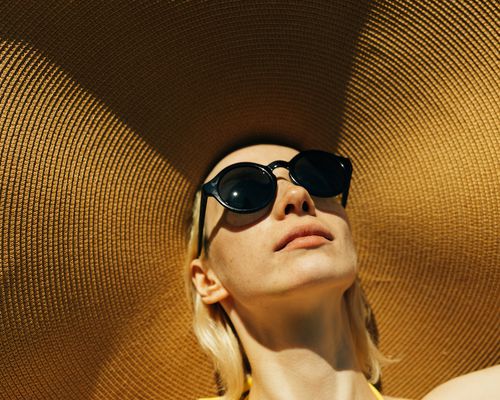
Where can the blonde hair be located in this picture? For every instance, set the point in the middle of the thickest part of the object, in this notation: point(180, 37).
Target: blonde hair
point(218, 338)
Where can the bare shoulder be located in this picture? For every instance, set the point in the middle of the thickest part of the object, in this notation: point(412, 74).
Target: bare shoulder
point(483, 384)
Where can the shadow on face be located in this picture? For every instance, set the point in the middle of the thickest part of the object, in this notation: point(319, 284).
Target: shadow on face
point(218, 217)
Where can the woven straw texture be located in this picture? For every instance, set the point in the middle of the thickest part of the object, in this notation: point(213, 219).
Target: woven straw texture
point(111, 113)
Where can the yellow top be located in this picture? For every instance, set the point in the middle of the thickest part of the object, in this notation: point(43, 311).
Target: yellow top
point(248, 385)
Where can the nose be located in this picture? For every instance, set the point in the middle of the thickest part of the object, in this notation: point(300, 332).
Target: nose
point(292, 199)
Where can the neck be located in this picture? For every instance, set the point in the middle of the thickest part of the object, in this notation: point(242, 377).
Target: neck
point(301, 354)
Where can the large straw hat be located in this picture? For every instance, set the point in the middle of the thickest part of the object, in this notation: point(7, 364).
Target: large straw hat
point(111, 113)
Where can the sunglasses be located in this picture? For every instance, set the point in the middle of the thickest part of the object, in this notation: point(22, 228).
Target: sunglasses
point(246, 187)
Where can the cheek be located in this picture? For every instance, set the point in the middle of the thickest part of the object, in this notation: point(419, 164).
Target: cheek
point(236, 255)
point(350, 249)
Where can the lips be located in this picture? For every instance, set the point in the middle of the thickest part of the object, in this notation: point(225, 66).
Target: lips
point(303, 230)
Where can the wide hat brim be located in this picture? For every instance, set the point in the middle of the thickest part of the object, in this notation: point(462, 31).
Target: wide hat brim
point(112, 113)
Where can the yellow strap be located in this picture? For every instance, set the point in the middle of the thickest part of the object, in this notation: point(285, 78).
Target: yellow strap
point(377, 394)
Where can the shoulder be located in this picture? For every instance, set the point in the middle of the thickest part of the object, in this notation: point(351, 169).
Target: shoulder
point(483, 384)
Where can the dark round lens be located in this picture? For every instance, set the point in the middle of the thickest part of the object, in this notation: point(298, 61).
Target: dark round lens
point(246, 188)
point(320, 173)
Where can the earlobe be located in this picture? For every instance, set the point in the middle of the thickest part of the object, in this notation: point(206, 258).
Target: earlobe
point(207, 283)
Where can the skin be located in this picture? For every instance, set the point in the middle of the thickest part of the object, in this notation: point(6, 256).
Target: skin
point(478, 385)
point(287, 306)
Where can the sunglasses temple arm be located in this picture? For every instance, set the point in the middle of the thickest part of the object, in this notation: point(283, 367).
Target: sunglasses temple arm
point(348, 169)
point(203, 208)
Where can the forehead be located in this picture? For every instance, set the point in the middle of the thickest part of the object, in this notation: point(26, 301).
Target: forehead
point(259, 153)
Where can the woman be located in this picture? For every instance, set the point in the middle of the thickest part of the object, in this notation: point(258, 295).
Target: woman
point(277, 304)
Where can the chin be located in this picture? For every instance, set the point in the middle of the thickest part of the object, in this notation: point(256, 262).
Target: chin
point(320, 267)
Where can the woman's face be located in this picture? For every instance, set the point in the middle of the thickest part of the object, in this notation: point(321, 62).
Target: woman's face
point(243, 264)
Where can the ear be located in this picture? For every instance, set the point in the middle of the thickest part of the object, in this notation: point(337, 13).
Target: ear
point(207, 283)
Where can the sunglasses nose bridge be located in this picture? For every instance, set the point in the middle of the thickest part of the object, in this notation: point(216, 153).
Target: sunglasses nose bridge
point(279, 164)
